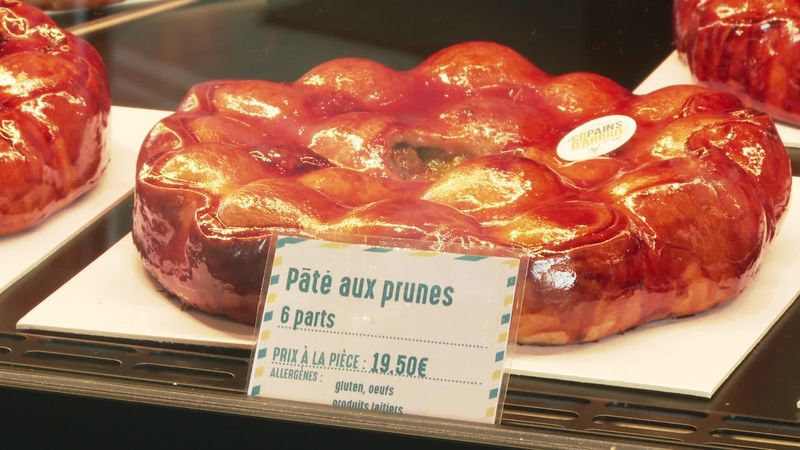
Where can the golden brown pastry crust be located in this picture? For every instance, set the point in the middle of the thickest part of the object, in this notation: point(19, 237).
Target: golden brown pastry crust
point(748, 47)
point(461, 150)
point(55, 111)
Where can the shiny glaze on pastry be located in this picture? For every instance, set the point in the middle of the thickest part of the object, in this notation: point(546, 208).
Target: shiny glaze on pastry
point(748, 47)
point(55, 101)
point(459, 152)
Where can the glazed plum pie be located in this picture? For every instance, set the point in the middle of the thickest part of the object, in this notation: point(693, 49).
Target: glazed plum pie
point(474, 148)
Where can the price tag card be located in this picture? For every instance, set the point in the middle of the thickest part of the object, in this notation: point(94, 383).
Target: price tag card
point(384, 329)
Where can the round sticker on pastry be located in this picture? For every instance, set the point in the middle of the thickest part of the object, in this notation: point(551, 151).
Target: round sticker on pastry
point(596, 137)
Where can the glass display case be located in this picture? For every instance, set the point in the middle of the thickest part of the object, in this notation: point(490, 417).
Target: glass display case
point(113, 388)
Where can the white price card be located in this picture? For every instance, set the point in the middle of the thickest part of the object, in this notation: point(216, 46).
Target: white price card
point(385, 329)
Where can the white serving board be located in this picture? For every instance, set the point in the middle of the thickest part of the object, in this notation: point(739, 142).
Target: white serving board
point(116, 297)
point(693, 355)
point(674, 71)
point(689, 356)
point(128, 127)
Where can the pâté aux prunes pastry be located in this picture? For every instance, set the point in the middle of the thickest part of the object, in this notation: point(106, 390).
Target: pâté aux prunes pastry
point(462, 151)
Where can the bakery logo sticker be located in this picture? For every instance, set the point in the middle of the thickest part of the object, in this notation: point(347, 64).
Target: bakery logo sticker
point(596, 138)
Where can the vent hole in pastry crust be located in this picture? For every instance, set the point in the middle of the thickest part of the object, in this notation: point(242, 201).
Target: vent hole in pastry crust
point(424, 162)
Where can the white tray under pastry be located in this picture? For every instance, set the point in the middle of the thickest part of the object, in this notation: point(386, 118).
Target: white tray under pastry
point(128, 127)
point(116, 297)
point(693, 355)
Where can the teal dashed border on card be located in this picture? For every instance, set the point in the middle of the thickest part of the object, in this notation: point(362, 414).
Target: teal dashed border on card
point(470, 258)
point(256, 390)
point(287, 240)
point(262, 353)
point(273, 280)
point(267, 316)
point(378, 249)
point(499, 357)
point(511, 281)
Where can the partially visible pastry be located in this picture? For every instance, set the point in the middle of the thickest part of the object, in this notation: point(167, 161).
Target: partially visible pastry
point(53, 122)
point(748, 47)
